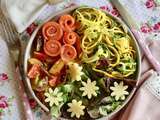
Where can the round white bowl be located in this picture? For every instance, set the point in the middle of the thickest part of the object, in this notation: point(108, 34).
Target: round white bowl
point(54, 16)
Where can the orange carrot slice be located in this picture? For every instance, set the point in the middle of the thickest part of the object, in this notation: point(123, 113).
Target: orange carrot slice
point(53, 81)
point(68, 53)
point(69, 38)
point(67, 22)
point(52, 31)
point(52, 48)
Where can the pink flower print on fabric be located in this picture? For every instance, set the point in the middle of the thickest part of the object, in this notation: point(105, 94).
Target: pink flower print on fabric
point(31, 28)
point(106, 8)
point(150, 4)
point(3, 77)
point(115, 12)
point(32, 103)
point(110, 9)
point(156, 26)
point(3, 102)
point(145, 28)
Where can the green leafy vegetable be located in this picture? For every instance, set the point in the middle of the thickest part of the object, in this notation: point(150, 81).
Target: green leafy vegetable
point(55, 111)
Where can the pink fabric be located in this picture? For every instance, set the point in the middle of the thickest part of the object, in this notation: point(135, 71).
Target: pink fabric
point(154, 48)
point(147, 52)
point(144, 106)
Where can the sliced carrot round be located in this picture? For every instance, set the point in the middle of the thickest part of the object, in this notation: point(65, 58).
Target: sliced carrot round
point(68, 53)
point(67, 22)
point(52, 48)
point(69, 38)
point(52, 31)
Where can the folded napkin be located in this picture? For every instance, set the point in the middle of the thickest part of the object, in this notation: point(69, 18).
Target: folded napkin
point(11, 106)
point(23, 12)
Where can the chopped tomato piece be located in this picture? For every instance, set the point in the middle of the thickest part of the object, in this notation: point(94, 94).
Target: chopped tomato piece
point(67, 22)
point(68, 53)
point(53, 81)
point(52, 48)
point(34, 71)
point(52, 31)
point(69, 38)
point(57, 67)
point(39, 55)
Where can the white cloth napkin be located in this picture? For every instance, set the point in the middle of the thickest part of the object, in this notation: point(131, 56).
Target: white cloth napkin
point(23, 12)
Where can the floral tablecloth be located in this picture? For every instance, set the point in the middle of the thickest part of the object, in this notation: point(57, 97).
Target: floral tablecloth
point(149, 25)
point(9, 98)
point(145, 13)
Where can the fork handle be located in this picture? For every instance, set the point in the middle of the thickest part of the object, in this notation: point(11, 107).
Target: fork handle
point(26, 105)
point(147, 52)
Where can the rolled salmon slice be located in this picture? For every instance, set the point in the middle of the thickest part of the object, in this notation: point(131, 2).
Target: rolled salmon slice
point(52, 48)
point(67, 22)
point(52, 31)
point(70, 38)
point(68, 53)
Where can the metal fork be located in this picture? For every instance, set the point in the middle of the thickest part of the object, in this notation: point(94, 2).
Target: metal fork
point(8, 32)
point(11, 36)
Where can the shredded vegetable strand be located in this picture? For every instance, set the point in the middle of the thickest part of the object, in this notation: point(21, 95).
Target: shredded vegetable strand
point(97, 28)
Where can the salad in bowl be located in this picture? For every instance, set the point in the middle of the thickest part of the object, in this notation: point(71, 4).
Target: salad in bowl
point(82, 64)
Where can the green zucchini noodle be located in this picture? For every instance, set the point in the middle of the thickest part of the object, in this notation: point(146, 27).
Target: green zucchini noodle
point(104, 37)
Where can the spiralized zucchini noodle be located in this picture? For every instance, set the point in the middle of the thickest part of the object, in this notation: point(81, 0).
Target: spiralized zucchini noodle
point(103, 37)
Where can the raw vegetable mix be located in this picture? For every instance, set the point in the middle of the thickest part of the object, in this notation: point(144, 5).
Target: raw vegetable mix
point(83, 65)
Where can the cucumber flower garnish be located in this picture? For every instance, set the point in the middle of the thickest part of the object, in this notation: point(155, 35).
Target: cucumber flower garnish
point(53, 97)
point(75, 71)
point(89, 89)
point(119, 91)
point(76, 108)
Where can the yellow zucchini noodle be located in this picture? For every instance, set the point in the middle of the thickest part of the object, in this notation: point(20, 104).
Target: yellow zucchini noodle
point(99, 30)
